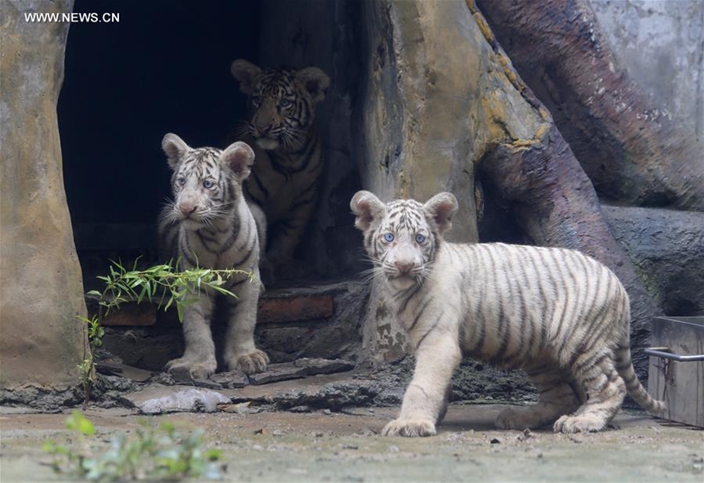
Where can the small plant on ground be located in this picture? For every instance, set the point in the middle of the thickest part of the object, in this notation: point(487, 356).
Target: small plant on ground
point(158, 454)
point(87, 366)
point(160, 284)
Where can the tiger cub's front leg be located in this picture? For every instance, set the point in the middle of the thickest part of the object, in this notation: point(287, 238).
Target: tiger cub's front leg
point(240, 350)
point(199, 357)
point(425, 401)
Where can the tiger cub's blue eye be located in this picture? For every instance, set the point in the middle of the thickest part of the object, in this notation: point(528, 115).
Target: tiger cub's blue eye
point(207, 184)
point(181, 181)
point(389, 237)
point(285, 103)
point(420, 239)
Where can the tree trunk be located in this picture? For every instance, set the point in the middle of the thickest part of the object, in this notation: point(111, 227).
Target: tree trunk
point(632, 149)
point(42, 340)
point(554, 200)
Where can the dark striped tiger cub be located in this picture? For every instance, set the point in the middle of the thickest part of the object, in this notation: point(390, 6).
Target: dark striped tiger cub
point(558, 314)
point(286, 177)
point(210, 225)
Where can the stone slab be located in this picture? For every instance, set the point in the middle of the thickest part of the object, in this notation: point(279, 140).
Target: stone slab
point(173, 399)
point(299, 369)
point(231, 379)
point(129, 372)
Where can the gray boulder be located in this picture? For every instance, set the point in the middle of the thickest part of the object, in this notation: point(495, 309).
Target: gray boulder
point(667, 248)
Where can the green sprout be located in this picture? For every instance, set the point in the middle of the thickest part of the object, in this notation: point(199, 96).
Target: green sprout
point(158, 454)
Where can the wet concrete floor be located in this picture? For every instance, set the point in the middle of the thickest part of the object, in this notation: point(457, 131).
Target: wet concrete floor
point(329, 446)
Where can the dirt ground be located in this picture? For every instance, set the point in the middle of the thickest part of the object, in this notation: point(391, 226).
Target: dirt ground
point(330, 446)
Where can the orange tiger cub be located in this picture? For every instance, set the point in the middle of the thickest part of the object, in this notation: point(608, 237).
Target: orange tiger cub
point(281, 127)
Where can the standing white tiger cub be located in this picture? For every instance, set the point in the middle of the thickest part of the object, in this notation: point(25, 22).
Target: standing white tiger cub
point(210, 225)
point(558, 314)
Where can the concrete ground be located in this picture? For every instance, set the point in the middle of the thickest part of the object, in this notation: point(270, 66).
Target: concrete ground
point(329, 446)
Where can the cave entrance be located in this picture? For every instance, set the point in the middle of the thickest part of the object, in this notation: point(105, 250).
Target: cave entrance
point(162, 70)
point(127, 84)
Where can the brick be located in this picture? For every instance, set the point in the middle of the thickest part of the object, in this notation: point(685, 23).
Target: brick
point(273, 310)
point(295, 308)
point(131, 314)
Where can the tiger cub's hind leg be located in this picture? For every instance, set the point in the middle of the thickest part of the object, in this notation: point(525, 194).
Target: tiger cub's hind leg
point(605, 391)
point(556, 397)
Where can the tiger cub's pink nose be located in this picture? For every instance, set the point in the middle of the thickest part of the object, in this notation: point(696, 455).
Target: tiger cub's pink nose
point(404, 266)
point(187, 208)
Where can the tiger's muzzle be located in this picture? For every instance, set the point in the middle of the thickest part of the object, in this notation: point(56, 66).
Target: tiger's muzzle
point(403, 266)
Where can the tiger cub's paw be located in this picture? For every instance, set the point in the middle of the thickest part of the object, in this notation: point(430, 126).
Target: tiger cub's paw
point(410, 428)
point(255, 361)
point(196, 369)
point(585, 423)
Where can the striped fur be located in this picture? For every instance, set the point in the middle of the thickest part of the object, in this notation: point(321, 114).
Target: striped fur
point(210, 225)
point(558, 314)
point(286, 178)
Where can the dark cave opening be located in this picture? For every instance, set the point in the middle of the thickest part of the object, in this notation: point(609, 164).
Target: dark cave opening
point(162, 70)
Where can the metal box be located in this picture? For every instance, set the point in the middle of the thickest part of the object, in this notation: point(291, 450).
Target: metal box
point(676, 373)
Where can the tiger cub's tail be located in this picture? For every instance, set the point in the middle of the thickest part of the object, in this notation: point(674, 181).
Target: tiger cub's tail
point(624, 366)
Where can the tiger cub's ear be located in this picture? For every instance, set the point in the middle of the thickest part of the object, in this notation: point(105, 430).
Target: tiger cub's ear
point(440, 209)
point(244, 72)
point(315, 81)
point(175, 148)
point(239, 157)
point(368, 210)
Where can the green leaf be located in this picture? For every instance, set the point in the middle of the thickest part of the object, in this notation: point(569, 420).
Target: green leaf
point(223, 291)
point(213, 454)
point(142, 293)
point(168, 304)
point(78, 422)
point(84, 319)
point(49, 446)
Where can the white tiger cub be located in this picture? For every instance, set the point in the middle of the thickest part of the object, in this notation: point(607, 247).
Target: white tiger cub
point(558, 314)
point(210, 225)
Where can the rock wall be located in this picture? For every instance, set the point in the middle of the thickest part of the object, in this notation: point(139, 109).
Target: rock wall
point(667, 248)
point(40, 279)
point(418, 115)
point(661, 43)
